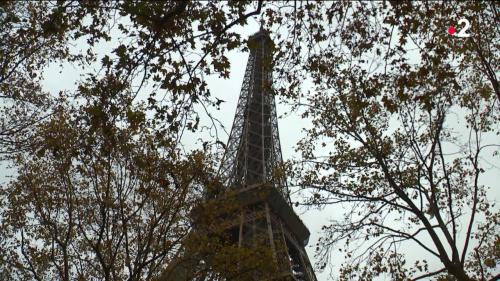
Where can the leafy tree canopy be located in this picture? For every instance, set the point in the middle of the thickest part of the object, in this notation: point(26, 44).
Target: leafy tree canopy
point(103, 188)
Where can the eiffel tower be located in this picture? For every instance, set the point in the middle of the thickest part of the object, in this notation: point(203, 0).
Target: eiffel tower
point(262, 216)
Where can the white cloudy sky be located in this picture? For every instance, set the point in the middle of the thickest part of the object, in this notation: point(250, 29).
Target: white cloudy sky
point(64, 78)
point(290, 127)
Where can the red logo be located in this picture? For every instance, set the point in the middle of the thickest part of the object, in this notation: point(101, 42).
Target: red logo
point(462, 32)
point(451, 30)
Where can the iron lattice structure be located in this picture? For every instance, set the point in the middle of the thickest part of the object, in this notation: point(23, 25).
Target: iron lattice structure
point(263, 217)
point(251, 165)
point(253, 151)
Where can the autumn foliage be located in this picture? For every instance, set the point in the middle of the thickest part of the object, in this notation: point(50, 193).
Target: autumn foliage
point(404, 133)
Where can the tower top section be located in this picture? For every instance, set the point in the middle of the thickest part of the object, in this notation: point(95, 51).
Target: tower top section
point(253, 152)
point(261, 41)
point(261, 35)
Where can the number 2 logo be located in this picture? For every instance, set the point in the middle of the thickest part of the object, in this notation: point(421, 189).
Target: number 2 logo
point(463, 32)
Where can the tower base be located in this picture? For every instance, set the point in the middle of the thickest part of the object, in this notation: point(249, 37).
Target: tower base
point(251, 234)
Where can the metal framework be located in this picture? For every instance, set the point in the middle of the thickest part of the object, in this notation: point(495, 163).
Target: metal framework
point(263, 217)
point(253, 150)
point(252, 158)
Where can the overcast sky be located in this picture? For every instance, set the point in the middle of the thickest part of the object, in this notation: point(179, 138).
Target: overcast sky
point(290, 128)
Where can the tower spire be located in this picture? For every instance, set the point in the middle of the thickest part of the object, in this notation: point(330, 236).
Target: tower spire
point(253, 152)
